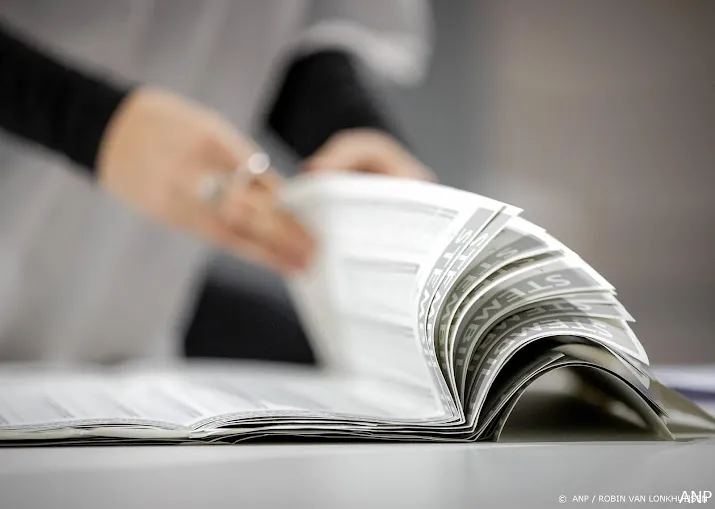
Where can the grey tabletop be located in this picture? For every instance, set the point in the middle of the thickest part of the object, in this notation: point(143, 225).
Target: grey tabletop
point(358, 475)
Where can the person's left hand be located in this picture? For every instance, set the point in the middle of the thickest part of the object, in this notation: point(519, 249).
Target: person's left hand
point(367, 151)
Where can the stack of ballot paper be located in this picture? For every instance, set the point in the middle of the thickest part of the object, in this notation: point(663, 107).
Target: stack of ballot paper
point(432, 311)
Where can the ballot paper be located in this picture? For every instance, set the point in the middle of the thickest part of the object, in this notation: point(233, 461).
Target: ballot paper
point(432, 312)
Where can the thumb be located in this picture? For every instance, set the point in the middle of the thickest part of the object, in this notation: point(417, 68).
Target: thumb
point(323, 164)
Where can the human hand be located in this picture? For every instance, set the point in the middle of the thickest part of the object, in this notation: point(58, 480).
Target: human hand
point(158, 151)
point(367, 151)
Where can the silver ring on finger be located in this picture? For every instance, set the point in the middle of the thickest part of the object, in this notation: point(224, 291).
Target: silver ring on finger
point(212, 188)
point(257, 164)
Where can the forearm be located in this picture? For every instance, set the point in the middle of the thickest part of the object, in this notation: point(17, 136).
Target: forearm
point(44, 101)
point(322, 94)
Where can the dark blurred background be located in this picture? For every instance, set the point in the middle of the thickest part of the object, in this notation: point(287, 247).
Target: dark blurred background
point(597, 118)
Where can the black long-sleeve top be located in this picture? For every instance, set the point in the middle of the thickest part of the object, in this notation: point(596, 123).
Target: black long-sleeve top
point(47, 102)
point(50, 104)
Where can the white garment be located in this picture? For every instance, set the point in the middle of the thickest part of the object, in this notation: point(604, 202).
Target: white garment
point(81, 277)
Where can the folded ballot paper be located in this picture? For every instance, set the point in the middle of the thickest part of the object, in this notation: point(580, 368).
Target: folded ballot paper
point(436, 314)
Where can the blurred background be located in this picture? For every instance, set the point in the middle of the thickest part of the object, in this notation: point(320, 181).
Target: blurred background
point(598, 119)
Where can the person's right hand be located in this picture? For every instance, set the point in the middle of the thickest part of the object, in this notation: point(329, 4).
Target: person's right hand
point(154, 154)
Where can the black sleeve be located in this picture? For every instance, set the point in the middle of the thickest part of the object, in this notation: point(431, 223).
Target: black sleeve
point(321, 94)
point(44, 101)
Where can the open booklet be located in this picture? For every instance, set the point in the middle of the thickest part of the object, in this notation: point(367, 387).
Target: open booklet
point(432, 310)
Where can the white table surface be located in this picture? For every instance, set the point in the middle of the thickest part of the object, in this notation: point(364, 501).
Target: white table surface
point(357, 475)
point(352, 475)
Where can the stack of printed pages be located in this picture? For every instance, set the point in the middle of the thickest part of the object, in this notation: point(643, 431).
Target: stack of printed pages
point(434, 313)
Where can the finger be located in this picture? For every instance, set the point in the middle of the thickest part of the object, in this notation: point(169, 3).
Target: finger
point(244, 149)
point(237, 152)
point(208, 186)
point(256, 216)
point(217, 231)
point(228, 220)
point(268, 181)
point(343, 153)
point(283, 235)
